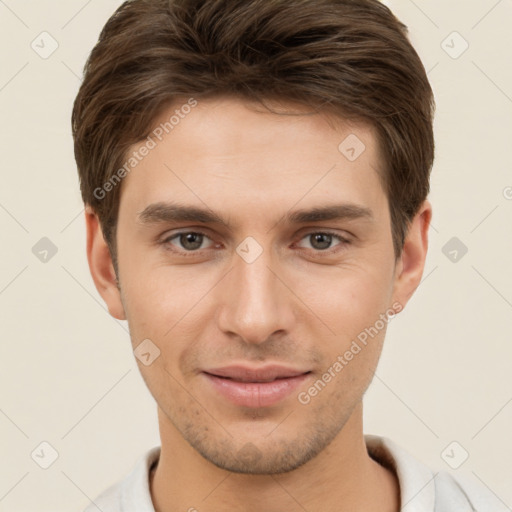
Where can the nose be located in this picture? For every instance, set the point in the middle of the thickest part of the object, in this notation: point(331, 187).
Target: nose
point(255, 303)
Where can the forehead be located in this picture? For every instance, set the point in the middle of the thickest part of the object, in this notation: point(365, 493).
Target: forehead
point(228, 154)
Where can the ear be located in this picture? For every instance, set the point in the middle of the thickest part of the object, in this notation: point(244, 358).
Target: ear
point(101, 266)
point(409, 267)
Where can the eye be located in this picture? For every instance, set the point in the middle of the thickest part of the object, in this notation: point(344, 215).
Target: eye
point(190, 241)
point(322, 241)
point(195, 241)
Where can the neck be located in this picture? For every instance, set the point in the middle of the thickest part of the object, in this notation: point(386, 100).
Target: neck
point(342, 478)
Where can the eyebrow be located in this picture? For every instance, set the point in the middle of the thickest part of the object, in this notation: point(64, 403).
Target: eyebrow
point(172, 212)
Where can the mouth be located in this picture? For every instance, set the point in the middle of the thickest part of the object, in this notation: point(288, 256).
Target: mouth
point(255, 387)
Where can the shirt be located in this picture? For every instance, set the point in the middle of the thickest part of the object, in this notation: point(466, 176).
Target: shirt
point(421, 489)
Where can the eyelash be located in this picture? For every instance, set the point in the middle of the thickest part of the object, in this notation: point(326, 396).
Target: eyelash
point(319, 252)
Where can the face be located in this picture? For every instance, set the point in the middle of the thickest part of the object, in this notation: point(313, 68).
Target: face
point(257, 258)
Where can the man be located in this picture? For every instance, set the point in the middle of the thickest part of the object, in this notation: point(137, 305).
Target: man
point(255, 175)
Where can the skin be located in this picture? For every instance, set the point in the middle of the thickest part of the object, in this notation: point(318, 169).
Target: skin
point(295, 305)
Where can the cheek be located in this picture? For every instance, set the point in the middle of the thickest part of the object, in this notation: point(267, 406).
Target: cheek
point(162, 299)
point(352, 309)
point(168, 306)
point(347, 300)
point(343, 380)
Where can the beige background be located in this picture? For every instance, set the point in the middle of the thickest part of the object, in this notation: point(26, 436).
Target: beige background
point(68, 376)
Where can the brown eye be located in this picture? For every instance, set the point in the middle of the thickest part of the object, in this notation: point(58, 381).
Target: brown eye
point(191, 241)
point(187, 241)
point(320, 241)
point(323, 241)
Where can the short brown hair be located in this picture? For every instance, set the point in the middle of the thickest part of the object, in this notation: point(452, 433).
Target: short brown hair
point(351, 57)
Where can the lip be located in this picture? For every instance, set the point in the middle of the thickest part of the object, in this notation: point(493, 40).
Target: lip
point(255, 387)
